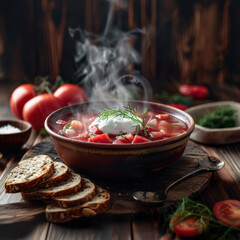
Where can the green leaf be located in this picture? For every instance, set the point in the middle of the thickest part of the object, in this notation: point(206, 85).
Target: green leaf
point(43, 132)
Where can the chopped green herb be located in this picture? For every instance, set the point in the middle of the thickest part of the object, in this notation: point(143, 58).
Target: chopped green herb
point(220, 118)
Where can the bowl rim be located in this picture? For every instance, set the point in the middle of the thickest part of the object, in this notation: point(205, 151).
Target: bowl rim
point(214, 104)
point(10, 120)
point(124, 146)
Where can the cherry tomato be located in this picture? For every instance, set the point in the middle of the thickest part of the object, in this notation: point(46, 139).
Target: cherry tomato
point(38, 108)
point(70, 94)
point(228, 212)
point(19, 97)
point(195, 91)
point(189, 227)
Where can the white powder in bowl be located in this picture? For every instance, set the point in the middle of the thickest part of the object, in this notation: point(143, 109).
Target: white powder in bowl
point(6, 129)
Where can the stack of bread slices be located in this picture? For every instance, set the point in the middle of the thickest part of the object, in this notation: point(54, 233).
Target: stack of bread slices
point(67, 194)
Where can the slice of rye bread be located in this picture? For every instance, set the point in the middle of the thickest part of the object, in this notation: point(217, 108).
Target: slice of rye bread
point(61, 173)
point(98, 204)
point(29, 173)
point(69, 186)
point(85, 194)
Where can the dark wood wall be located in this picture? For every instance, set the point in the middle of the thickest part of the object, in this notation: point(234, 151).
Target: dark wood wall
point(193, 41)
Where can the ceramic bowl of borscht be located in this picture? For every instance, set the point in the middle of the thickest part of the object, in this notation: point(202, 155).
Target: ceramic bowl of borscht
point(116, 139)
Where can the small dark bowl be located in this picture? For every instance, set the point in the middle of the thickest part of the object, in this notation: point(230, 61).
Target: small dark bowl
point(118, 160)
point(14, 140)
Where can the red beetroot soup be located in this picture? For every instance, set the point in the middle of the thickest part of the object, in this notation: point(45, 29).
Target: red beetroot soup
point(127, 126)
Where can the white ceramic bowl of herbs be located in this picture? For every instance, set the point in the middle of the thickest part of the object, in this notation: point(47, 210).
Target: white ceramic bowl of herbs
point(226, 134)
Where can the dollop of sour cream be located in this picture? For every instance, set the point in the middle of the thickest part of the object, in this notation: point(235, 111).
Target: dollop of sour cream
point(117, 125)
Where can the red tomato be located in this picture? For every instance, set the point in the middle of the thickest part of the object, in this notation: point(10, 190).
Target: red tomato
point(38, 108)
point(195, 91)
point(70, 94)
point(179, 106)
point(103, 138)
point(19, 97)
point(140, 139)
point(189, 227)
point(95, 130)
point(126, 138)
point(228, 212)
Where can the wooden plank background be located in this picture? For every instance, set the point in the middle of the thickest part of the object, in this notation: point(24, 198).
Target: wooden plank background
point(193, 41)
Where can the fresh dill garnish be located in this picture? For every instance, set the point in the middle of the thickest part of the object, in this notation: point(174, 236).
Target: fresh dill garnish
point(214, 229)
point(128, 112)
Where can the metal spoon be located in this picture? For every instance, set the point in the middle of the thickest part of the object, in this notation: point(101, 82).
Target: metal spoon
point(208, 163)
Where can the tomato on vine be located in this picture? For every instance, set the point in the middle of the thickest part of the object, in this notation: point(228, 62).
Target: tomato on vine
point(33, 103)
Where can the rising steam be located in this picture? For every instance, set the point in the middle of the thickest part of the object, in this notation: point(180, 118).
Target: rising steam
point(104, 66)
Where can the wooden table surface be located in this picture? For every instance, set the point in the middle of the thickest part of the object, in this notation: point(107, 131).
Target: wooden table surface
point(224, 185)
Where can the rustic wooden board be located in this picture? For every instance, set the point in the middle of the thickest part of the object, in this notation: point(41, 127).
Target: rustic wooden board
point(121, 191)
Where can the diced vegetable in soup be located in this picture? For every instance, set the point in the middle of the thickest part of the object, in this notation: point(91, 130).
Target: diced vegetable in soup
point(127, 126)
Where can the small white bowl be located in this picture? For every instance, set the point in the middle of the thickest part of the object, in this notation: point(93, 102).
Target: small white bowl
point(217, 135)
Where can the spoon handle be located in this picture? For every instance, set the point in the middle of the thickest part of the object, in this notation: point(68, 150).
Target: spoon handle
point(185, 176)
